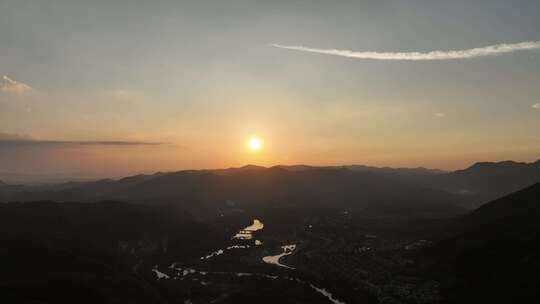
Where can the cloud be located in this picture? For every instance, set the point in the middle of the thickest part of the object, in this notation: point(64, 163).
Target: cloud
point(112, 143)
point(11, 86)
point(10, 136)
point(13, 140)
point(491, 50)
point(442, 115)
point(536, 105)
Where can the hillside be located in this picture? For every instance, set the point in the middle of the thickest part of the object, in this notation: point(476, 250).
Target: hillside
point(496, 247)
point(86, 253)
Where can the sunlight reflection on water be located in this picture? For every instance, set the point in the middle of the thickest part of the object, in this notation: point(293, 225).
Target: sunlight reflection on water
point(247, 233)
point(274, 259)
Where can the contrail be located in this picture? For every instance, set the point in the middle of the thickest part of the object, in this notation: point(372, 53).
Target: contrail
point(490, 50)
point(12, 86)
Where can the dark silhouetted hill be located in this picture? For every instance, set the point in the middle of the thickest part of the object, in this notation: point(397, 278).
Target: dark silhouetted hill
point(495, 248)
point(85, 252)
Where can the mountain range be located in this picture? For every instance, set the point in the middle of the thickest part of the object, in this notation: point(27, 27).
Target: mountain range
point(253, 187)
point(353, 185)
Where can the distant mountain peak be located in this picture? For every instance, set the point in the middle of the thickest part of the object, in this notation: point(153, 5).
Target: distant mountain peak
point(252, 167)
point(497, 165)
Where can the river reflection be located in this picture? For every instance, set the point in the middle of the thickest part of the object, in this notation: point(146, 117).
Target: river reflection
point(244, 234)
point(274, 259)
point(181, 274)
point(247, 233)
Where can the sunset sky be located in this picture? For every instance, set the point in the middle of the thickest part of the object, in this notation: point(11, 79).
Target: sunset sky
point(122, 87)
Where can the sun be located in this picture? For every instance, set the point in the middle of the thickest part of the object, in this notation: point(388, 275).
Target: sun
point(254, 143)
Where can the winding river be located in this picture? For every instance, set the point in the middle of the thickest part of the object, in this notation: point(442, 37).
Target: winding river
point(244, 234)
